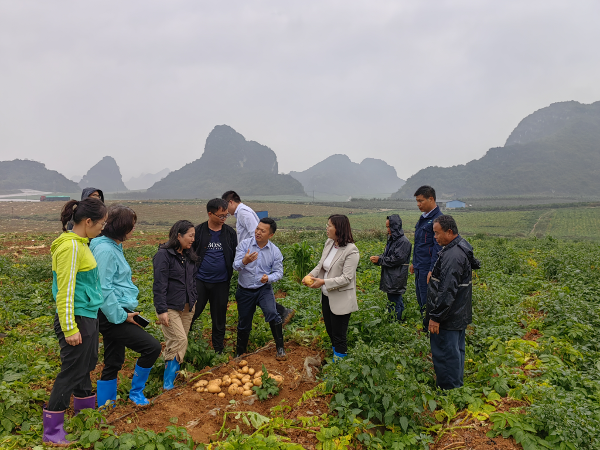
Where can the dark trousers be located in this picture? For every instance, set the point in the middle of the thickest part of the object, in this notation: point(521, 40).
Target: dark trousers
point(448, 354)
point(395, 305)
point(336, 326)
point(421, 287)
point(217, 295)
point(118, 336)
point(280, 309)
point(248, 299)
point(77, 361)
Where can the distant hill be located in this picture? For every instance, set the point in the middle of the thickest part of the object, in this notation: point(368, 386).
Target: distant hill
point(371, 178)
point(229, 162)
point(24, 174)
point(105, 175)
point(145, 180)
point(554, 151)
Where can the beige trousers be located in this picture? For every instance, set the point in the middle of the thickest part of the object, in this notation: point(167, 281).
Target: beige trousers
point(176, 339)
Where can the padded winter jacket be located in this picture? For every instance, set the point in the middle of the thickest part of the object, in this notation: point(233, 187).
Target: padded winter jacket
point(395, 259)
point(426, 247)
point(450, 289)
point(174, 282)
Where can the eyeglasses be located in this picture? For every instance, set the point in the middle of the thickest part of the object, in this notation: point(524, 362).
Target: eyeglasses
point(222, 217)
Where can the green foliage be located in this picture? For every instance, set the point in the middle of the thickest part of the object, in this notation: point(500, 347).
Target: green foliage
point(268, 388)
point(302, 254)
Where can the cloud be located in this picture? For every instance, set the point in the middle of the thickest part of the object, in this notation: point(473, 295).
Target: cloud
point(414, 83)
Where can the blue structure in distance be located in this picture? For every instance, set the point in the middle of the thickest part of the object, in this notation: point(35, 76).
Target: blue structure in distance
point(455, 204)
point(262, 214)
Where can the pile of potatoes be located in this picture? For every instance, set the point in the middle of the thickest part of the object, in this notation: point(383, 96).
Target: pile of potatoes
point(238, 382)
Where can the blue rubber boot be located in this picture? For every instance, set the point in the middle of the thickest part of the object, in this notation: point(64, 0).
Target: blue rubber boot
point(337, 356)
point(106, 390)
point(138, 383)
point(171, 369)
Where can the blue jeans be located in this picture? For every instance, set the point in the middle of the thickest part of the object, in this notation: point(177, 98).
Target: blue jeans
point(421, 287)
point(448, 354)
point(395, 304)
point(248, 299)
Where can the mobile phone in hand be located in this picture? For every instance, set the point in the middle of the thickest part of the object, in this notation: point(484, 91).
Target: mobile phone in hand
point(141, 321)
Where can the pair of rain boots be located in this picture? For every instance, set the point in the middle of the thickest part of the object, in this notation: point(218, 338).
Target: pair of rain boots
point(54, 421)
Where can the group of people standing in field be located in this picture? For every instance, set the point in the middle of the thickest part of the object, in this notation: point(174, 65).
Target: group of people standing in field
point(95, 294)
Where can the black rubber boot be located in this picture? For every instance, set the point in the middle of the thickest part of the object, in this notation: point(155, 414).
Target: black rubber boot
point(242, 343)
point(277, 331)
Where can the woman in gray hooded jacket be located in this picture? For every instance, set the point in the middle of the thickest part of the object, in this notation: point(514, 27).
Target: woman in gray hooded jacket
point(394, 263)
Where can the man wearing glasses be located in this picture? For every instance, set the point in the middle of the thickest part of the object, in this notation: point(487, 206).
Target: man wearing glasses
point(245, 226)
point(215, 244)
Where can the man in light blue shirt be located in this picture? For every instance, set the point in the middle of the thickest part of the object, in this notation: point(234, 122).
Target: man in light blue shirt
point(246, 223)
point(259, 263)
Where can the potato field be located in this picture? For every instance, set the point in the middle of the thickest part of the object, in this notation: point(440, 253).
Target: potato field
point(532, 371)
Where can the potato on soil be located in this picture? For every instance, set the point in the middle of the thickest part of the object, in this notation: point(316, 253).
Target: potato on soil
point(216, 381)
point(258, 374)
point(244, 369)
point(248, 386)
point(221, 394)
point(214, 389)
point(200, 389)
point(233, 389)
point(251, 371)
point(247, 393)
point(201, 383)
point(236, 381)
point(226, 382)
point(257, 382)
point(278, 379)
point(246, 379)
point(243, 363)
point(240, 390)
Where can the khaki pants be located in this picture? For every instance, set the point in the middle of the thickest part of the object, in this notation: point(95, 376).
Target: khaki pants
point(176, 340)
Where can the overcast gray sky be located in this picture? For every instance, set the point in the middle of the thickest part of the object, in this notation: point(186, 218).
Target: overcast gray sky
point(416, 83)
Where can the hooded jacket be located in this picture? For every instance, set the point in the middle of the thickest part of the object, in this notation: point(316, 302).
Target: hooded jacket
point(395, 259)
point(426, 247)
point(450, 289)
point(174, 282)
point(118, 291)
point(90, 190)
point(75, 283)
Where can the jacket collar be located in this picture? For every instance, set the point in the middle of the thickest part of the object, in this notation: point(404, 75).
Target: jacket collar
point(454, 242)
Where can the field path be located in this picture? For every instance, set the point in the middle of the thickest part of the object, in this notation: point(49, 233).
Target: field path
point(547, 213)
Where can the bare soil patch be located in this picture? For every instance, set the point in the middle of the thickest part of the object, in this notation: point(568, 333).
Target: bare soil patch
point(202, 413)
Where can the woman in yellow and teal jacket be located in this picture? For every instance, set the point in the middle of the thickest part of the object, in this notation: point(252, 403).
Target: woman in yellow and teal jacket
point(78, 295)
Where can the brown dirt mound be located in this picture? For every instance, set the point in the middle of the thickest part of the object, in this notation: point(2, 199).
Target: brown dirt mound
point(202, 413)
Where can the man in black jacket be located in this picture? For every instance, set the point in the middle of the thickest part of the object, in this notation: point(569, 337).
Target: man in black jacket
point(215, 245)
point(449, 297)
point(394, 265)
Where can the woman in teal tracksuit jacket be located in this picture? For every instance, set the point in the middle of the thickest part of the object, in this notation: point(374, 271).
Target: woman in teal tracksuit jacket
point(116, 317)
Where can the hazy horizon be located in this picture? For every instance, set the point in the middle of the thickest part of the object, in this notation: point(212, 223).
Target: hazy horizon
point(146, 81)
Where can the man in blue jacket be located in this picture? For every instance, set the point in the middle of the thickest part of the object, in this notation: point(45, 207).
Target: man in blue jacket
point(426, 248)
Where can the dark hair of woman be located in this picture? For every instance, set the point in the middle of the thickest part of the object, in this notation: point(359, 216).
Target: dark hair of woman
point(78, 210)
point(181, 227)
point(120, 222)
point(342, 229)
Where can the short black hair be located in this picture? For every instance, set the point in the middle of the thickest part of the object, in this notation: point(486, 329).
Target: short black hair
point(425, 191)
point(215, 204)
point(231, 195)
point(271, 223)
point(120, 222)
point(447, 223)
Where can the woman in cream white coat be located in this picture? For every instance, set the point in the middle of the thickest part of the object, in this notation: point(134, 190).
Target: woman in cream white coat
point(335, 275)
